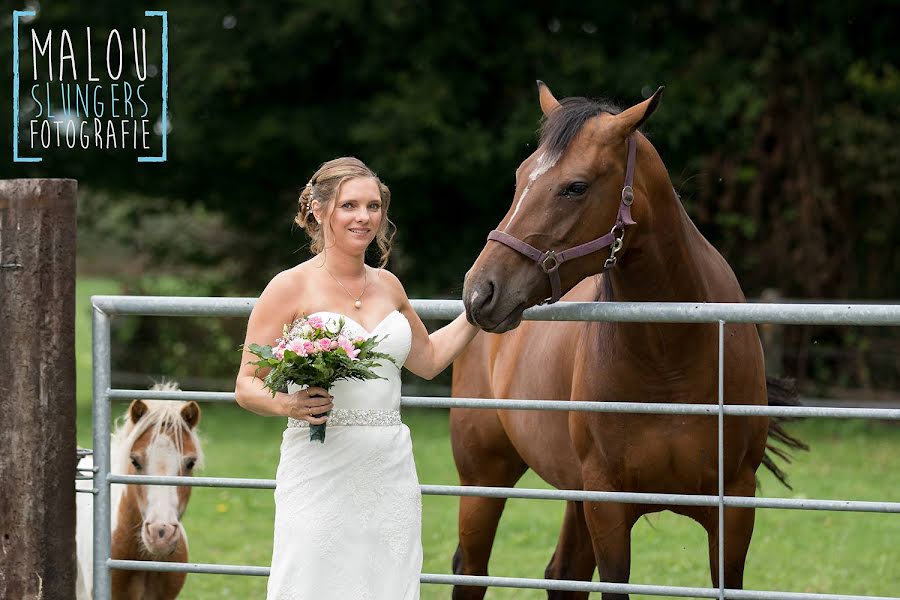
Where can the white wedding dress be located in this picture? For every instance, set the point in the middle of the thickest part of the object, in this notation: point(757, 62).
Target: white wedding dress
point(348, 512)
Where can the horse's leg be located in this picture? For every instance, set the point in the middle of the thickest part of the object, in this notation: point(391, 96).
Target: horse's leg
point(574, 557)
point(484, 456)
point(738, 531)
point(610, 526)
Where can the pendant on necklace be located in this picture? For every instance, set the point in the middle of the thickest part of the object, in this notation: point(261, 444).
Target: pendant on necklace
point(357, 304)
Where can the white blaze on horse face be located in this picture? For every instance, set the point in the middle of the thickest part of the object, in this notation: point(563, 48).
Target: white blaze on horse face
point(544, 164)
point(162, 500)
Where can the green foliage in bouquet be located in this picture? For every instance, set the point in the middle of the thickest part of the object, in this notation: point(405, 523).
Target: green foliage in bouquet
point(315, 354)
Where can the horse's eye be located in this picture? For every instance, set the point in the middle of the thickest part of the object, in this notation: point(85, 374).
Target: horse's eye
point(136, 463)
point(189, 463)
point(575, 189)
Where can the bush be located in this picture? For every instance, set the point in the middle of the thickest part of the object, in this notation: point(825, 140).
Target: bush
point(165, 249)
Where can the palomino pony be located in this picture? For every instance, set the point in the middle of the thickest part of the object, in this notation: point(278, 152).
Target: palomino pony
point(595, 198)
point(157, 437)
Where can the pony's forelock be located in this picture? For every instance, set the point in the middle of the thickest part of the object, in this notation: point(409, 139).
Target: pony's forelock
point(159, 416)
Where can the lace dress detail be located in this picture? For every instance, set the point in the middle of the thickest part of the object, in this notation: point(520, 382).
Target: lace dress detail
point(348, 512)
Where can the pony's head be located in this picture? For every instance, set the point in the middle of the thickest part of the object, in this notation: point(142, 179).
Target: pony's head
point(158, 437)
point(568, 192)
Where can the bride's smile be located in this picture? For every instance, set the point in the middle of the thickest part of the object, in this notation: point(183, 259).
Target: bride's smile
point(358, 211)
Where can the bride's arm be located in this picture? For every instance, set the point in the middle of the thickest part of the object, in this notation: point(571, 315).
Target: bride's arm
point(270, 313)
point(430, 354)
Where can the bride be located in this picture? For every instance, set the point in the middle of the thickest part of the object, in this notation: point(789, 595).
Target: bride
point(348, 511)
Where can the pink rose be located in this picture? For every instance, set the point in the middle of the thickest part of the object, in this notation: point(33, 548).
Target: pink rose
point(333, 344)
point(324, 344)
point(310, 347)
point(359, 339)
point(316, 322)
point(297, 346)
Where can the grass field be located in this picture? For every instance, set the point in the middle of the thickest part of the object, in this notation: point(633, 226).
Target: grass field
point(802, 551)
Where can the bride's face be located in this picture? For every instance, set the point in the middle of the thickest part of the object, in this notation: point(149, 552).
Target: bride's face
point(355, 215)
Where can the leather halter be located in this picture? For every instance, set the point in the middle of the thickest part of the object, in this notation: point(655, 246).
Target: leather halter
point(550, 260)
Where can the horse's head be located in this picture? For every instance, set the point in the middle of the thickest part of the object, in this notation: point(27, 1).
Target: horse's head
point(160, 439)
point(569, 192)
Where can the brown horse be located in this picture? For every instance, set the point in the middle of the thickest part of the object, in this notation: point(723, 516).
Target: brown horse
point(568, 193)
point(157, 437)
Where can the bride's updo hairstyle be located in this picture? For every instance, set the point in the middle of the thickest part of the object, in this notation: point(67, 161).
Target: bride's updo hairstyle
point(325, 187)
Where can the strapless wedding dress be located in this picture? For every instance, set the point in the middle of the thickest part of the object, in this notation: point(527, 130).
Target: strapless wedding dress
point(348, 512)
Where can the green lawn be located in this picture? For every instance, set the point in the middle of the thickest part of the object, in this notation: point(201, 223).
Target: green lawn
point(803, 551)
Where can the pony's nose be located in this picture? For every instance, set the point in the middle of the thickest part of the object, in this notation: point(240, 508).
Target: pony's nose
point(161, 533)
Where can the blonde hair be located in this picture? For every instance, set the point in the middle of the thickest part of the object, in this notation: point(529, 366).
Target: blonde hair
point(160, 416)
point(325, 186)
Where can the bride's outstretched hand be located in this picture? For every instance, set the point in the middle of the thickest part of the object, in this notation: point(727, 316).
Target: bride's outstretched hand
point(304, 404)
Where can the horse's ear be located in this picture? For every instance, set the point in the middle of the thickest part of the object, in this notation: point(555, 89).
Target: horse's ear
point(137, 410)
point(548, 102)
point(630, 119)
point(191, 414)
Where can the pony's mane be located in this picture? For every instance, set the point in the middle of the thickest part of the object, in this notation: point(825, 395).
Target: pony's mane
point(161, 415)
point(560, 128)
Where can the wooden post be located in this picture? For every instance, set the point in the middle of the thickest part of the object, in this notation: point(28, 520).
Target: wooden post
point(37, 388)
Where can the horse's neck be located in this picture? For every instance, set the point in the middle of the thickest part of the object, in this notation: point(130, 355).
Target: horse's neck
point(668, 260)
point(148, 585)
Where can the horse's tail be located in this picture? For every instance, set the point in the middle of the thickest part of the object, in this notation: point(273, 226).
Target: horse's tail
point(781, 392)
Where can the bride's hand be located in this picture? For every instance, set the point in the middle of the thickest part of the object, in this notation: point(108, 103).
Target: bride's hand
point(304, 404)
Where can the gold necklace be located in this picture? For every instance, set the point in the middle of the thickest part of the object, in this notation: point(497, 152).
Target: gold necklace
point(358, 302)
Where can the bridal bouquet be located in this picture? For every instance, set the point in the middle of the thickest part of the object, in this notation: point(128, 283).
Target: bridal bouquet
point(318, 354)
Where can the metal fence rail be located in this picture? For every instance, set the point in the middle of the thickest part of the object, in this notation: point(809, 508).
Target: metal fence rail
point(658, 408)
point(716, 314)
point(538, 494)
point(509, 582)
point(634, 312)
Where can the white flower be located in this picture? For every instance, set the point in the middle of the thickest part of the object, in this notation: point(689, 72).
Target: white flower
point(306, 331)
point(333, 327)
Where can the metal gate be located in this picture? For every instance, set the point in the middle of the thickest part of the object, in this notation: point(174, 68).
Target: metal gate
point(105, 307)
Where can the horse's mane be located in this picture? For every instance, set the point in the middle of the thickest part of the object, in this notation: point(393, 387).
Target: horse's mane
point(557, 132)
point(560, 128)
point(161, 415)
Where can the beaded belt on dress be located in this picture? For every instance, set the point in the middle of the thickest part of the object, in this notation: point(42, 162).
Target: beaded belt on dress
point(355, 416)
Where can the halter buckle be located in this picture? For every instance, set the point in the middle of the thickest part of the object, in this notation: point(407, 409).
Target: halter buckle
point(546, 260)
point(616, 245)
point(627, 195)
